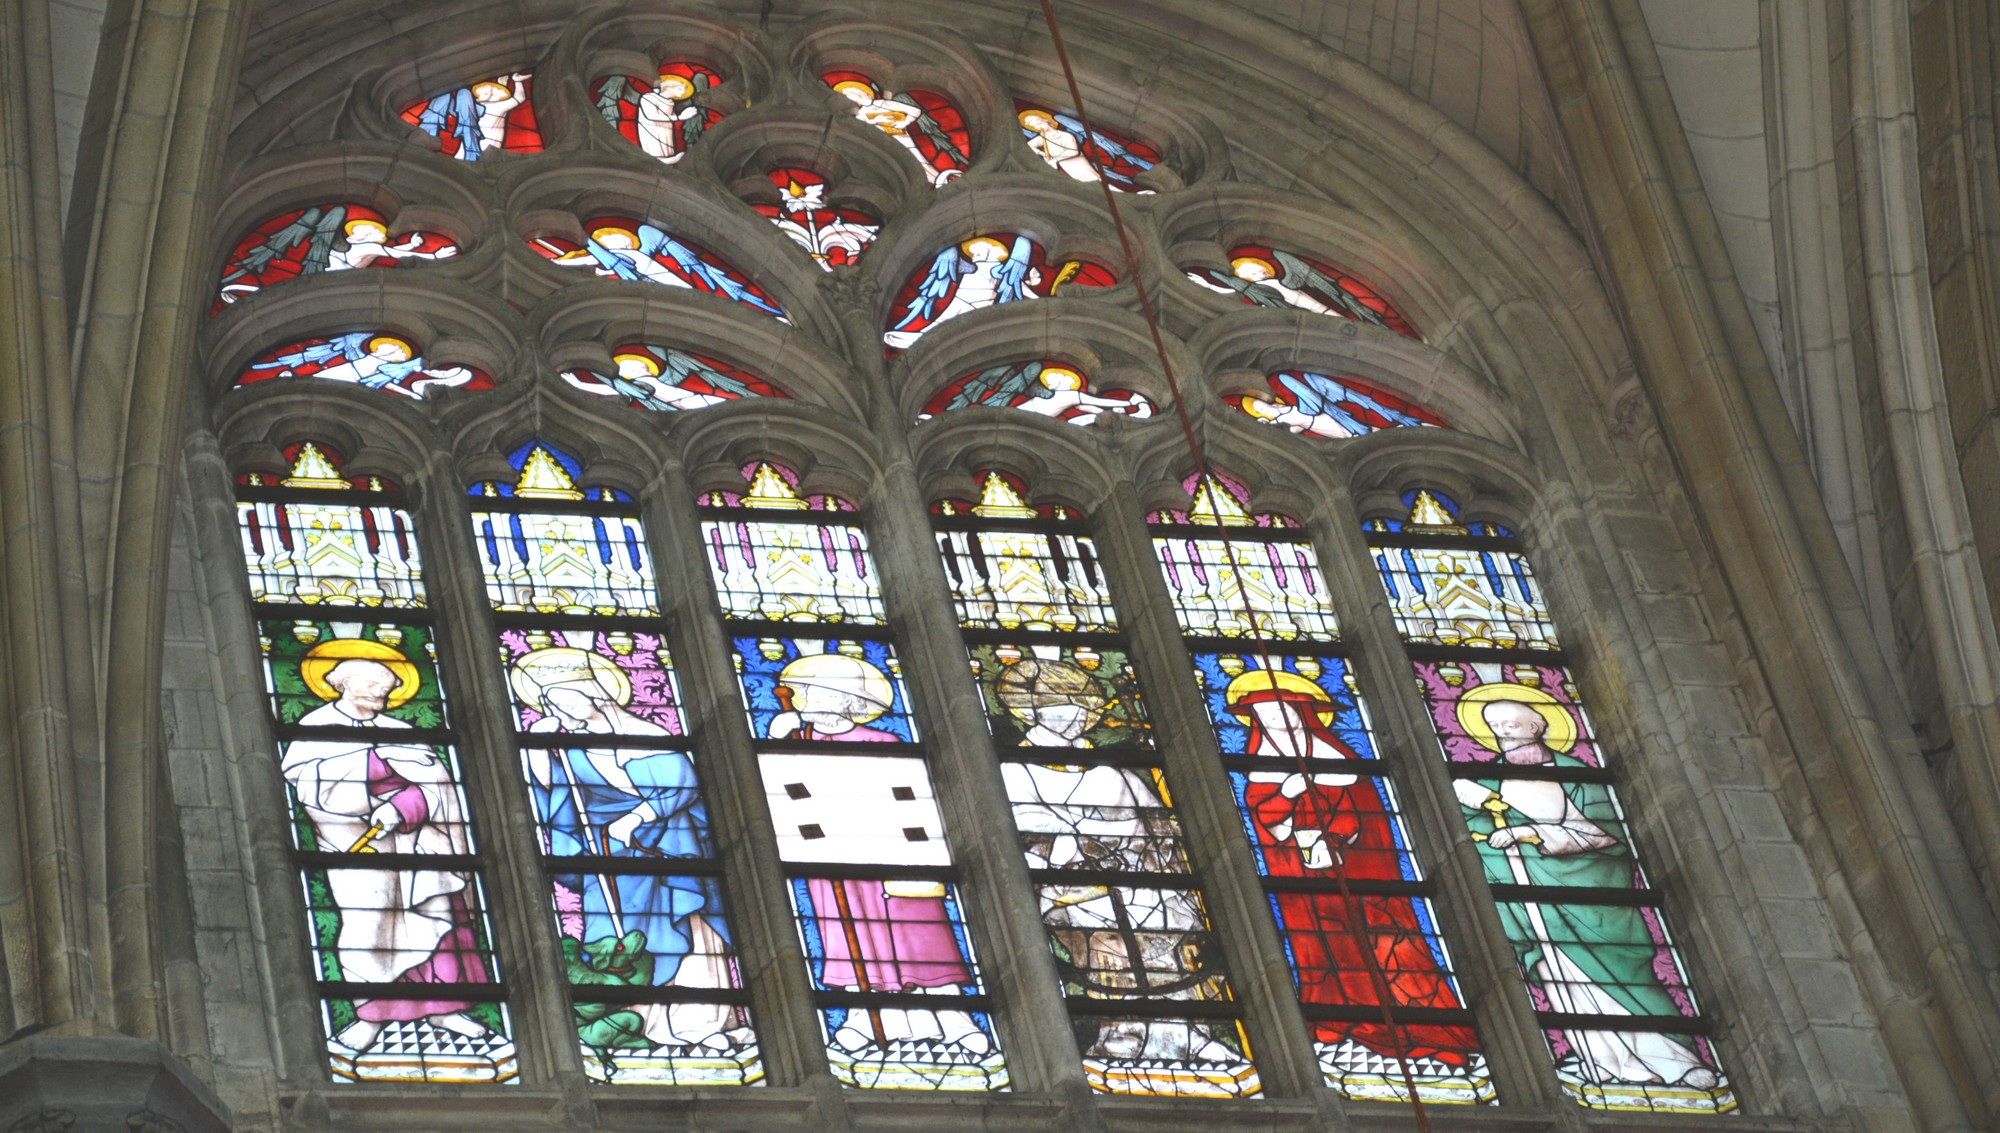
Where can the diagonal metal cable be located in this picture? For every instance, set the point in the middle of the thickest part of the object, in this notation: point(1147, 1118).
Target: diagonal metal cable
point(1356, 914)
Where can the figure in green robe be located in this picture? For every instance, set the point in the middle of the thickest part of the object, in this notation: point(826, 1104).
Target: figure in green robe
point(1587, 959)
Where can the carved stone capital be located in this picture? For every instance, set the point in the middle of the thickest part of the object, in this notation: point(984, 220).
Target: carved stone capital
point(53, 1084)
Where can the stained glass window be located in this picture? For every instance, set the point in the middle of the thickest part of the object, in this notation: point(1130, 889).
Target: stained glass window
point(370, 359)
point(622, 248)
point(984, 271)
point(613, 781)
point(1142, 971)
point(1262, 581)
point(1051, 389)
point(1474, 592)
point(1319, 805)
point(665, 115)
point(901, 999)
point(1319, 405)
point(834, 235)
point(475, 122)
point(1274, 277)
point(665, 380)
point(330, 237)
point(1593, 943)
point(924, 122)
point(410, 988)
point(1060, 138)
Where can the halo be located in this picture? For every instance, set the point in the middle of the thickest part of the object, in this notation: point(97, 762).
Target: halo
point(1268, 265)
point(1471, 709)
point(500, 90)
point(370, 221)
point(408, 349)
point(845, 85)
point(1070, 370)
point(542, 669)
point(1267, 680)
point(1255, 406)
point(966, 246)
point(602, 230)
point(840, 673)
point(652, 364)
point(327, 655)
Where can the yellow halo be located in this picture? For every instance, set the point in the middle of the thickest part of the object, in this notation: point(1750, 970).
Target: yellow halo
point(364, 222)
point(490, 92)
point(599, 233)
point(544, 669)
point(847, 85)
point(324, 657)
point(651, 363)
point(381, 340)
point(978, 240)
point(1073, 380)
point(1258, 260)
point(838, 672)
point(1257, 407)
point(1471, 708)
point(1264, 680)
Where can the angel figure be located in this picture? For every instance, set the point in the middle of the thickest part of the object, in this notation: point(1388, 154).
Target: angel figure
point(376, 361)
point(664, 380)
point(831, 235)
point(664, 119)
point(649, 254)
point(317, 239)
point(925, 124)
point(1047, 388)
point(1315, 405)
point(1275, 278)
point(1062, 141)
point(471, 122)
point(981, 272)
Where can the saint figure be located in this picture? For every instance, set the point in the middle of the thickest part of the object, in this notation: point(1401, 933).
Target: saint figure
point(378, 795)
point(1587, 959)
point(831, 696)
point(941, 151)
point(601, 800)
point(1325, 825)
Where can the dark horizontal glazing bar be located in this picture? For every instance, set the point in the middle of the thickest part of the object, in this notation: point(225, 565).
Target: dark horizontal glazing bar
point(648, 866)
point(1661, 1024)
point(468, 992)
point(637, 623)
point(1371, 1013)
point(904, 999)
point(1579, 895)
point(517, 506)
point(810, 631)
point(321, 859)
point(1420, 651)
point(1444, 542)
point(1113, 879)
point(602, 993)
point(1498, 769)
point(400, 737)
point(1151, 1007)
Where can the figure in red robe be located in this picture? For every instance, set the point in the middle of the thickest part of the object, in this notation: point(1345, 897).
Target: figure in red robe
point(1320, 825)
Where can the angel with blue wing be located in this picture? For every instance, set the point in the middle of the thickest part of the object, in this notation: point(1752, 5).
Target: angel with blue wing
point(636, 254)
point(649, 383)
point(1324, 407)
point(1060, 140)
point(981, 272)
point(375, 361)
point(475, 117)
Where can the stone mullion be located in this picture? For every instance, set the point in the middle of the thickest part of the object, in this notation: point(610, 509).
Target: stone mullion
point(257, 788)
point(1232, 889)
point(1482, 955)
point(1016, 966)
point(755, 887)
point(480, 708)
